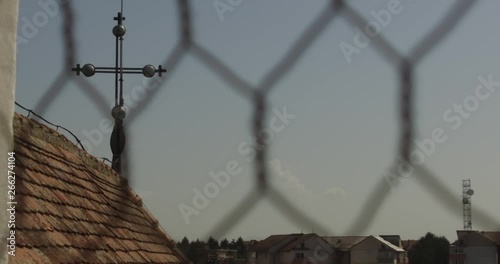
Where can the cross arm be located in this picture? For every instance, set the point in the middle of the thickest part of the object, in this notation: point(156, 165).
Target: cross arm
point(89, 70)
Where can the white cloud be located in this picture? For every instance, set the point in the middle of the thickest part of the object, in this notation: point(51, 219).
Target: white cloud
point(290, 182)
point(337, 192)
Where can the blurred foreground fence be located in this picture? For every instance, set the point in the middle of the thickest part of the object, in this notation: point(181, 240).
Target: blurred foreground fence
point(404, 64)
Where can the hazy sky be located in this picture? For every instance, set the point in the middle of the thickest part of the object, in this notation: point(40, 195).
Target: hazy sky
point(344, 133)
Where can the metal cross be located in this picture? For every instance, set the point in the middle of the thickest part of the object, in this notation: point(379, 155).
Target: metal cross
point(117, 140)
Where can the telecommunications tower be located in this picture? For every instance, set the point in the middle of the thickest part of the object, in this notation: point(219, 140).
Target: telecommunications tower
point(467, 193)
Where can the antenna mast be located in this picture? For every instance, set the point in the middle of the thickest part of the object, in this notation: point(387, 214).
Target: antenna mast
point(467, 193)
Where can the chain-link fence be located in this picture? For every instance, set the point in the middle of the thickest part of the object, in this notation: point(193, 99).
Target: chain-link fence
point(404, 64)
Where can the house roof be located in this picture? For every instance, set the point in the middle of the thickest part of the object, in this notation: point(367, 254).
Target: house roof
point(250, 243)
point(389, 244)
point(286, 242)
point(384, 242)
point(344, 242)
point(408, 244)
point(74, 208)
point(271, 241)
point(493, 236)
point(297, 242)
point(393, 239)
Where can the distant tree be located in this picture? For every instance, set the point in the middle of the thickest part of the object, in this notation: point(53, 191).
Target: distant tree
point(430, 249)
point(178, 245)
point(242, 248)
point(232, 245)
point(195, 251)
point(212, 243)
point(184, 245)
point(224, 244)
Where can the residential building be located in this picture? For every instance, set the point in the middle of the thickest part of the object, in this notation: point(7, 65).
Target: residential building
point(393, 239)
point(310, 248)
point(377, 250)
point(475, 247)
point(218, 255)
point(292, 248)
point(407, 245)
point(250, 243)
point(265, 251)
point(73, 208)
point(343, 245)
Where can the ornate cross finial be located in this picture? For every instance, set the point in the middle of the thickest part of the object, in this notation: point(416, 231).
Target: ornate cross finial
point(117, 141)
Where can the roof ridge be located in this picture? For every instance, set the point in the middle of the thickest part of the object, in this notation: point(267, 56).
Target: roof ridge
point(51, 141)
point(162, 232)
point(57, 139)
point(487, 236)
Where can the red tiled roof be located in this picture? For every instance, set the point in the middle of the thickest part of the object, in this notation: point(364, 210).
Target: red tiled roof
point(73, 208)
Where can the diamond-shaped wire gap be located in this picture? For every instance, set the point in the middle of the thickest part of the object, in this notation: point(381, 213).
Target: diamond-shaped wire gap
point(170, 63)
point(447, 24)
point(406, 93)
point(445, 196)
point(298, 49)
point(55, 88)
point(59, 84)
point(96, 97)
point(369, 210)
point(379, 193)
point(236, 214)
point(407, 83)
point(381, 44)
point(298, 217)
point(223, 71)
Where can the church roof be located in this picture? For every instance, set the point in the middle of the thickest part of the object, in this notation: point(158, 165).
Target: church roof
point(73, 208)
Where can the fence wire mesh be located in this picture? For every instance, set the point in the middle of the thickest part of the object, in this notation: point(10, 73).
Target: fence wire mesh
point(404, 64)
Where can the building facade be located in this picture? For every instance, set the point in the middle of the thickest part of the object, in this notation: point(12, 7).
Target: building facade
point(292, 248)
point(310, 248)
point(377, 250)
point(474, 247)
